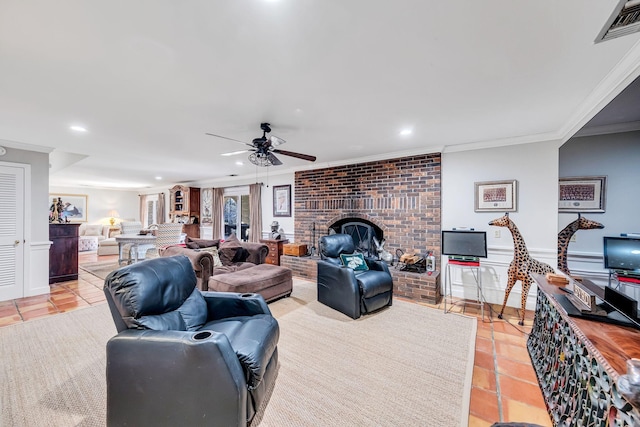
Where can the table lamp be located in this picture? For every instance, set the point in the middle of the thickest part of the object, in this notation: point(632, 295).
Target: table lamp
point(113, 214)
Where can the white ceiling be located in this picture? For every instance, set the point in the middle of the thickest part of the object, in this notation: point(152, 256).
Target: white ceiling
point(336, 79)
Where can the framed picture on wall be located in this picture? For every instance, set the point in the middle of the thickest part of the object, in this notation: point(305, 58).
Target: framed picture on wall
point(582, 194)
point(282, 200)
point(71, 207)
point(496, 196)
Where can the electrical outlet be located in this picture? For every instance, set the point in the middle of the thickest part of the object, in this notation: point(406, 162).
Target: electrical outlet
point(496, 234)
point(573, 238)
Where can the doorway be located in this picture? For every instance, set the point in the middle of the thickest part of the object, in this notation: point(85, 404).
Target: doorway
point(236, 213)
point(12, 236)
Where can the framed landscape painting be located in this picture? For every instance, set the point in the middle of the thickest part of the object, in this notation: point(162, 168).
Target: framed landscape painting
point(73, 207)
point(496, 196)
point(582, 194)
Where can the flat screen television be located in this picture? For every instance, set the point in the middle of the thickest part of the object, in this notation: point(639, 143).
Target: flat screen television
point(463, 243)
point(622, 253)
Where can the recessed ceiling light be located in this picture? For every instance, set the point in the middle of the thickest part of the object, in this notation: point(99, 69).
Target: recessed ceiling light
point(239, 163)
point(158, 178)
point(405, 132)
point(78, 128)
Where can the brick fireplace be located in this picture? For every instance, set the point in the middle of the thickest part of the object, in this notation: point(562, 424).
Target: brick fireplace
point(400, 198)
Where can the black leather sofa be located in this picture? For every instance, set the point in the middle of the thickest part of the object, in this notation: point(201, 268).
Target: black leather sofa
point(182, 356)
point(351, 292)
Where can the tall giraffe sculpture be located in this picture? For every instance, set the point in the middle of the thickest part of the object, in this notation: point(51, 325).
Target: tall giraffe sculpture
point(521, 266)
point(564, 237)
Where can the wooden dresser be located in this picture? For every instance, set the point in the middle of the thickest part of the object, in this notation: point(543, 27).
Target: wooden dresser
point(275, 250)
point(63, 252)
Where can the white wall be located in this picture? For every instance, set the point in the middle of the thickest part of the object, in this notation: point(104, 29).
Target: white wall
point(534, 166)
point(100, 202)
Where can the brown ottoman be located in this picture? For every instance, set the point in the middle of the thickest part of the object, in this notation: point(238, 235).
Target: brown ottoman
point(270, 281)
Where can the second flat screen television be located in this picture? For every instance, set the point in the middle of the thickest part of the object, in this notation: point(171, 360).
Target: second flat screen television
point(464, 243)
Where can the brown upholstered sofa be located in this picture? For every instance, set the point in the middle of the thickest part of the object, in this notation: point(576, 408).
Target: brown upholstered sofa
point(234, 266)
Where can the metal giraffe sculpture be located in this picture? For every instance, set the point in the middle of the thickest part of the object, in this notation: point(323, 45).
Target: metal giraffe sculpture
point(564, 237)
point(521, 266)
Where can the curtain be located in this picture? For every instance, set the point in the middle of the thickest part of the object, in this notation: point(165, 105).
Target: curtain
point(143, 209)
point(161, 209)
point(255, 212)
point(217, 213)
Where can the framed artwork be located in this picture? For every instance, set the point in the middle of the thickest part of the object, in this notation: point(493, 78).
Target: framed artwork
point(207, 206)
point(582, 194)
point(496, 196)
point(282, 200)
point(71, 207)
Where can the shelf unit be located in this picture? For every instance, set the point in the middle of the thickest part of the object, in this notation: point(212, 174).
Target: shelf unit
point(184, 204)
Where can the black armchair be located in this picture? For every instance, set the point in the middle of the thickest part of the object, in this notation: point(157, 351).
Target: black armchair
point(351, 292)
point(185, 357)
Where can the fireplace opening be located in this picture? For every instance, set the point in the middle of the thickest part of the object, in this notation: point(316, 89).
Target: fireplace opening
point(361, 231)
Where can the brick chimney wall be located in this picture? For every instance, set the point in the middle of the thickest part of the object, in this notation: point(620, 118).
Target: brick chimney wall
point(401, 196)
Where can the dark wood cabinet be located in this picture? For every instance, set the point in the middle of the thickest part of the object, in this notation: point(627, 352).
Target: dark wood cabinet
point(184, 206)
point(275, 250)
point(63, 252)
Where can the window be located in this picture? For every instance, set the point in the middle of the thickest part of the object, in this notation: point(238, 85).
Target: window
point(236, 212)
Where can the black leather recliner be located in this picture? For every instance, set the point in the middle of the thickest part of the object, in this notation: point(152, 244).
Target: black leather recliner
point(351, 292)
point(182, 356)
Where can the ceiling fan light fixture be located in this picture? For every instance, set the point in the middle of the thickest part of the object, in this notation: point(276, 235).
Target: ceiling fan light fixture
point(275, 141)
point(260, 159)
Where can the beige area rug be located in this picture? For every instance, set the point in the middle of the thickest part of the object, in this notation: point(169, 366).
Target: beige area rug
point(99, 269)
point(405, 365)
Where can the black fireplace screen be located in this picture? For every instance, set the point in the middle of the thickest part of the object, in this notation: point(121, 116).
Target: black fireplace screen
point(362, 235)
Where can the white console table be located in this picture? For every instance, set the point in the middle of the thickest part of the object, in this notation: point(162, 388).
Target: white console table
point(137, 240)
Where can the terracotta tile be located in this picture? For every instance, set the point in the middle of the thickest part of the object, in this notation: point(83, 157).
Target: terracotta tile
point(35, 307)
point(515, 339)
point(72, 305)
point(512, 352)
point(484, 404)
point(478, 422)
point(515, 369)
point(30, 301)
point(484, 344)
point(10, 320)
point(484, 332)
point(35, 314)
point(514, 411)
point(525, 392)
point(484, 360)
point(484, 378)
point(8, 310)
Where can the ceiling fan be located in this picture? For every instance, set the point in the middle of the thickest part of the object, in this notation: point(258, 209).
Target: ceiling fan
point(262, 149)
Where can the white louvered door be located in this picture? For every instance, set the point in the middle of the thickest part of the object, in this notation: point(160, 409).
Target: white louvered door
point(11, 232)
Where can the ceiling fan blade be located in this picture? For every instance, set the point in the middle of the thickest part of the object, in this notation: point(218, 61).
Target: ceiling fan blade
point(233, 153)
point(296, 155)
point(274, 160)
point(230, 139)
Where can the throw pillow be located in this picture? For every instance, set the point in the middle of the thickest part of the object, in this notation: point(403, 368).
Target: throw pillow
point(214, 252)
point(93, 230)
point(354, 261)
point(228, 249)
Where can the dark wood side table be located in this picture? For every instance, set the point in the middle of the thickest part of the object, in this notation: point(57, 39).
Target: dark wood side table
point(275, 250)
point(63, 252)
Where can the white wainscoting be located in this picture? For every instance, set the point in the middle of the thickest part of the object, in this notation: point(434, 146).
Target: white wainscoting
point(36, 281)
point(494, 270)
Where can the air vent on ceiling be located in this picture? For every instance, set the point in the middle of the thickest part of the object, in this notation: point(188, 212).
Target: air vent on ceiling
point(624, 20)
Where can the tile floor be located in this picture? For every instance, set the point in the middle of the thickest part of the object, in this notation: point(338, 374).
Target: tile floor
point(504, 384)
